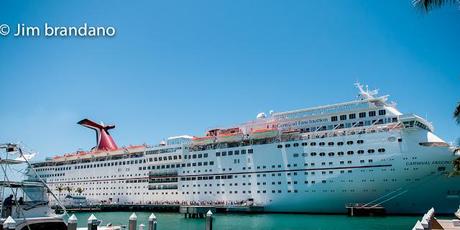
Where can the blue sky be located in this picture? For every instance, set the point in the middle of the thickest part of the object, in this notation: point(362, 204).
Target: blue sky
point(180, 67)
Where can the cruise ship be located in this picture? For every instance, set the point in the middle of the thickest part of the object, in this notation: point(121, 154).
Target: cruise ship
point(313, 160)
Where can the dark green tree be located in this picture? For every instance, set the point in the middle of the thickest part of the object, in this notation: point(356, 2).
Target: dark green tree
point(427, 5)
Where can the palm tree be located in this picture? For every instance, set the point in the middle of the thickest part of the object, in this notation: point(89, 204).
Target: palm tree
point(79, 190)
point(457, 113)
point(427, 5)
point(68, 189)
point(60, 188)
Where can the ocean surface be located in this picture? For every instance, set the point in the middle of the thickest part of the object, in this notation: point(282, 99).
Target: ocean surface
point(175, 221)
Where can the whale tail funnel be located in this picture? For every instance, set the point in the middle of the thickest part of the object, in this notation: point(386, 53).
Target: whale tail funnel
point(103, 139)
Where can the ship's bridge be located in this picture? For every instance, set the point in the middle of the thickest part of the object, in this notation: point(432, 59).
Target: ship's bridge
point(413, 121)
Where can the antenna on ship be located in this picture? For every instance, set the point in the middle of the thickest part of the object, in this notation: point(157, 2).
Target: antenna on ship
point(365, 94)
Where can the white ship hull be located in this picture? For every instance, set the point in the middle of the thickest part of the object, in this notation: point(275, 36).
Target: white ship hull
point(383, 157)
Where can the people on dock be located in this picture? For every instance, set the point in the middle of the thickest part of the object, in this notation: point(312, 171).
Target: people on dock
point(7, 206)
point(21, 200)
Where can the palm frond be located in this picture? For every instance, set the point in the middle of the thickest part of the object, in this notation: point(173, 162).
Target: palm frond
point(427, 5)
point(457, 113)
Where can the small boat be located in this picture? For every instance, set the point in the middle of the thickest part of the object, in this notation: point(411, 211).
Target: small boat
point(264, 133)
point(230, 135)
point(208, 139)
point(203, 140)
point(26, 203)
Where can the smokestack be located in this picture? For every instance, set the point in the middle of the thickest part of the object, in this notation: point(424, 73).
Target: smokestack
point(103, 139)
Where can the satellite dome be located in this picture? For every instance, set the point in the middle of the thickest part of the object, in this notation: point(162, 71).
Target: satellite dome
point(261, 116)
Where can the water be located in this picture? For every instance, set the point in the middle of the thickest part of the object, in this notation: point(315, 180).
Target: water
point(175, 221)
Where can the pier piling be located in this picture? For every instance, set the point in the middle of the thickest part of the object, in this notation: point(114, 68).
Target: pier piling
point(92, 222)
point(72, 223)
point(152, 222)
point(141, 226)
point(209, 220)
point(132, 222)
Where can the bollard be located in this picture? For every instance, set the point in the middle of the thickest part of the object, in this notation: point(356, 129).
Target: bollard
point(92, 222)
point(141, 227)
point(132, 222)
point(9, 223)
point(209, 220)
point(72, 223)
point(152, 222)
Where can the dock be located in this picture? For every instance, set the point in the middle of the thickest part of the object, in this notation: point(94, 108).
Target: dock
point(430, 222)
point(365, 210)
point(190, 211)
point(120, 207)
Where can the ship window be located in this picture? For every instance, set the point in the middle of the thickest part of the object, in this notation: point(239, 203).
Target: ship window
point(349, 142)
point(250, 151)
point(322, 154)
point(194, 156)
point(334, 118)
point(313, 144)
point(360, 151)
point(362, 114)
point(313, 154)
point(340, 143)
point(287, 145)
point(343, 117)
point(371, 113)
point(200, 155)
point(331, 154)
point(237, 152)
point(340, 153)
point(370, 151)
point(296, 144)
point(381, 150)
point(321, 144)
point(243, 151)
point(296, 155)
point(352, 116)
point(350, 153)
point(205, 155)
point(224, 154)
point(359, 141)
point(230, 153)
point(304, 144)
point(217, 154)
point(382, 112)
point(211, 163)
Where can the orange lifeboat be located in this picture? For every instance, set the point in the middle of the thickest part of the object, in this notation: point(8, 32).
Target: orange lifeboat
point(203, 140)
point(230, 135)
point(208, 139)
point(264, 133)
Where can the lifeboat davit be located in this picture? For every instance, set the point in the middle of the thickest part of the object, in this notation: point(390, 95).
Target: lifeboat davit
point(264, 133)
